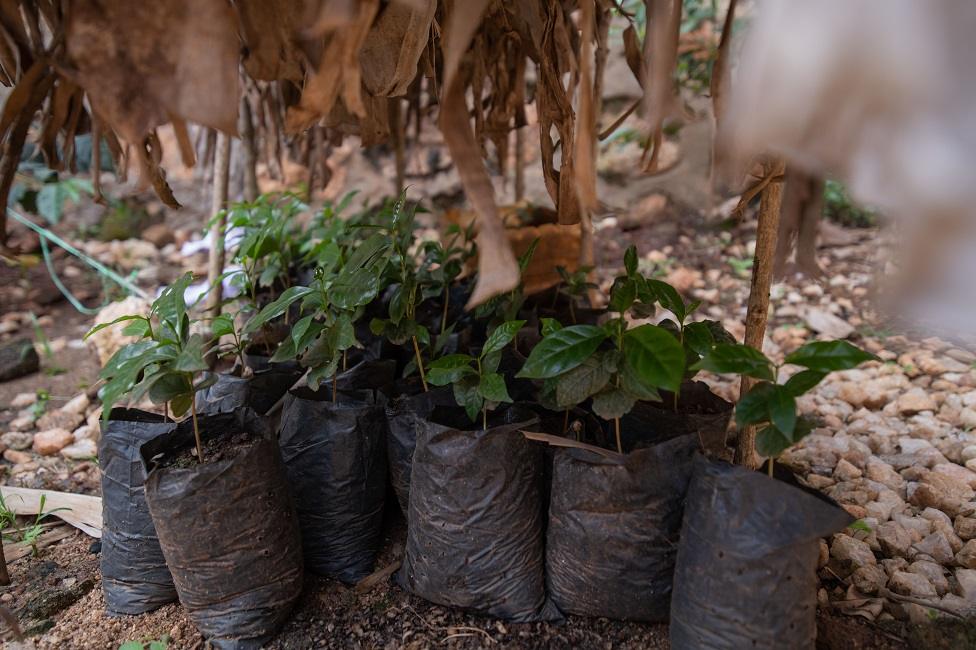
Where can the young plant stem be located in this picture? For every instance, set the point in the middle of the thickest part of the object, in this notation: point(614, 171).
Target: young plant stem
point(345, 360)
point(196, 430)
point(335, 386)
point(566, 421)
point(572, 310)
point(420, 362)
point(166, 412)
point(616, 429)
point(771, 461)
point(447, 301)
point(484, 418)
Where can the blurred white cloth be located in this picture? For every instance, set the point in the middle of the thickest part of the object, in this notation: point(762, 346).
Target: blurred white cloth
point(882, 95)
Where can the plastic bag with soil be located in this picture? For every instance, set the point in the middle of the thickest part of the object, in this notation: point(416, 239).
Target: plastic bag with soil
point(227, 526)
point(475, 537)
point(700, 412)
point(259, 391)
point(745, 575)
point(135, 578)
point(335, 458)
point(402, 417)
point(614, 523)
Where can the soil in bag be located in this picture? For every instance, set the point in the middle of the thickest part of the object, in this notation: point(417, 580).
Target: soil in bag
point(227, 526)
point(135, 578)
point(475, 533)
point(614, 524)
point(335, 458)
point(745, 575)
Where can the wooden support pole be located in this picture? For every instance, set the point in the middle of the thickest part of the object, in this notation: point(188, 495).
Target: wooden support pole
point(767, 230)
point(248, 151)
point(4, 574)
point(219, 226)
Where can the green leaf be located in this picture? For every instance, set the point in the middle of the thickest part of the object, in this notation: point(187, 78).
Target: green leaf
point(655, 355)
point(466, 395)
point(131, 645)
point(491, 361)
point(737, 359)
point(351, 290)
point(180, 404)
point(550, 325)
point(276, 308)
point(631, 382)
point(449, 369)
point(526, 257)
point(803, 381)
point(562, 350)
point(169, 386)
point(120, 319)
point(630, 260)
point(586, 379)
point(698, 338)
point(827, 356)
point(492, 388)
point(622, 294)
point(782, 410)
point(669, 298)
point(613, 403)
point(222, 325)
point(753, 407)
point(770, 442)
point(501, 336)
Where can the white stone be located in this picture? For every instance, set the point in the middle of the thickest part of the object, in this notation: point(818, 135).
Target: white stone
point(81, 450)
point(77, 404)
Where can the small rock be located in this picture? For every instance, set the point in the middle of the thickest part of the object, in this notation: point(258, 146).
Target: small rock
point(830, 326)
point(937, 547)
point(23, 400)
point(917, 527)
point(911, 584)
point(966, 584)
point(18, 441)
point(81, 450)
point(915, 401)
point(851, 553)
point(16, 457)
point(77, 405)
point(880, 471)
point(965, 527)
point(60, 420)
point(846, 471)
point(21, 423)
point(893, 564)
point(18, 358)
point(50, 442)
point(869, 579)
point(956, 473)
point(933, 573)
point(107, 341)
point(895, 540)
point(158, 234)
point(966, 557)
point(935, 515)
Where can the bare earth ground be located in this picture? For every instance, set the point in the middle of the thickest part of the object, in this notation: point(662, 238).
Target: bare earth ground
point(867, 424)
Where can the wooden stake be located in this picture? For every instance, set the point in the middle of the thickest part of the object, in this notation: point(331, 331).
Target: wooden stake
point(757, 313)
point(249, 151)
point(219, 201)
point(4, 574)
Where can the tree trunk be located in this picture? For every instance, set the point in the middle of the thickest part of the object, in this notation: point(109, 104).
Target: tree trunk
point(249, 152)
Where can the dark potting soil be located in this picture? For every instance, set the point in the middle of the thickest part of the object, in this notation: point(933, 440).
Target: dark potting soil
point(214, 450)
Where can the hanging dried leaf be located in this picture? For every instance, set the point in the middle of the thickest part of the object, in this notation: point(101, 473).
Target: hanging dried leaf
point(142, 62)
point(269, 29)
point(586, 120)
point(389, 56)
point(337, 72)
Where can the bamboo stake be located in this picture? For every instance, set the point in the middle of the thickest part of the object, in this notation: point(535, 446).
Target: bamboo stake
point(757, 312)
point(4, 574)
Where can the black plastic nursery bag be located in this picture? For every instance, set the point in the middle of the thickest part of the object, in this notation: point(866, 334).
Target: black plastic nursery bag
point(402, 418)
point(228, 531)
point(135, 578)
point(614, 523)
point(335, 458)
point(745, 575)
point(475, 534)
point(260, 391)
